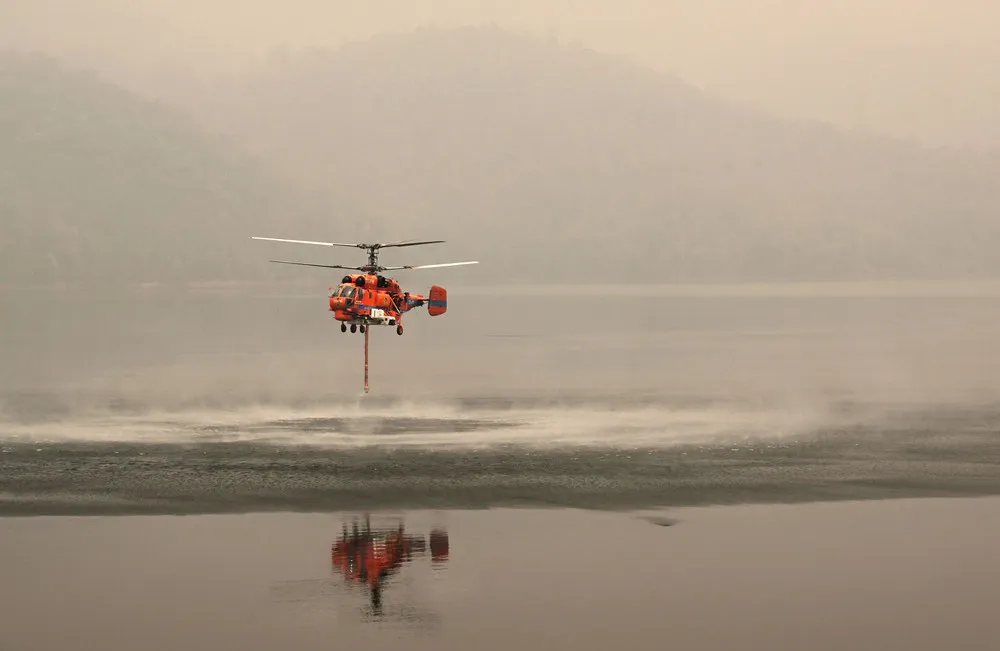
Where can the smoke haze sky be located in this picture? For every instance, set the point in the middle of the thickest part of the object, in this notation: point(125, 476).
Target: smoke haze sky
point(920, 69)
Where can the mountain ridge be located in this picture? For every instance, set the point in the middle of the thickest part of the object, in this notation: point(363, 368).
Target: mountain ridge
point(102, 186)
point(548, 163)
point(493, 136)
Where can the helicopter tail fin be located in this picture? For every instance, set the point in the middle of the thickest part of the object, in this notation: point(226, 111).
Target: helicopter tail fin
point(437, 303)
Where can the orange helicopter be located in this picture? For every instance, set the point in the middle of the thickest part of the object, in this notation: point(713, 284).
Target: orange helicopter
point(370, 298)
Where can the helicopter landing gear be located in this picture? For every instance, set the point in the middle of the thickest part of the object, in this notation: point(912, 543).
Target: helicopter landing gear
point(362, 327)
point(354, 327)
point(343, 327)
point(399, 330)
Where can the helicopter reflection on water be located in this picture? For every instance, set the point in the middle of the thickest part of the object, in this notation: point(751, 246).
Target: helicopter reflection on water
point(371, 557)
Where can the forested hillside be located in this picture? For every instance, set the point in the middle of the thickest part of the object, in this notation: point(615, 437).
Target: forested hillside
point(98, 186)
point(542, 159)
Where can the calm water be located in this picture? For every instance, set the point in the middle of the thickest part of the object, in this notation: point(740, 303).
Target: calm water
point(890, 575)
point(160, 349)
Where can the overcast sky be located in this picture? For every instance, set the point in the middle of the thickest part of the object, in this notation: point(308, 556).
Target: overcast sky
point(925, 69)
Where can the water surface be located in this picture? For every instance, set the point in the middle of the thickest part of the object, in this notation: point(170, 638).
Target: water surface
point(913, 575)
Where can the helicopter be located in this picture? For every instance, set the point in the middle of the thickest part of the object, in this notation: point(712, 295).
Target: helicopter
point(370, 298)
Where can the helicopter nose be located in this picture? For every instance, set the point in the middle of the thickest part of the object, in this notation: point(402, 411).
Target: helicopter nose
point(341, 303)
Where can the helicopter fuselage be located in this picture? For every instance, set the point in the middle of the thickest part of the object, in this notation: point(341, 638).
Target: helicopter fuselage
point(363, 300)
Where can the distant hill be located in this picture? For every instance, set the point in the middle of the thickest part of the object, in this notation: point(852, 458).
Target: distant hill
point(99, 186)
point(555, 161)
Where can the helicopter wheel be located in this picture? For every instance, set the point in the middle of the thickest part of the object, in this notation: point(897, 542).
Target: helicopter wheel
point(362, 328)
point(343, 327)
point(399, 330)
point(354, 327)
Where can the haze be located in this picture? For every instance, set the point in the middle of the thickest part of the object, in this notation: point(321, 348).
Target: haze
point(920, 69)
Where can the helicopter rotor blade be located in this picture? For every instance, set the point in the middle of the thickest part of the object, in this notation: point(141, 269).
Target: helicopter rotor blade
point(432, 266)
point(377, 245)
point(275, 239)
point(310, 264)
point(408, 243)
